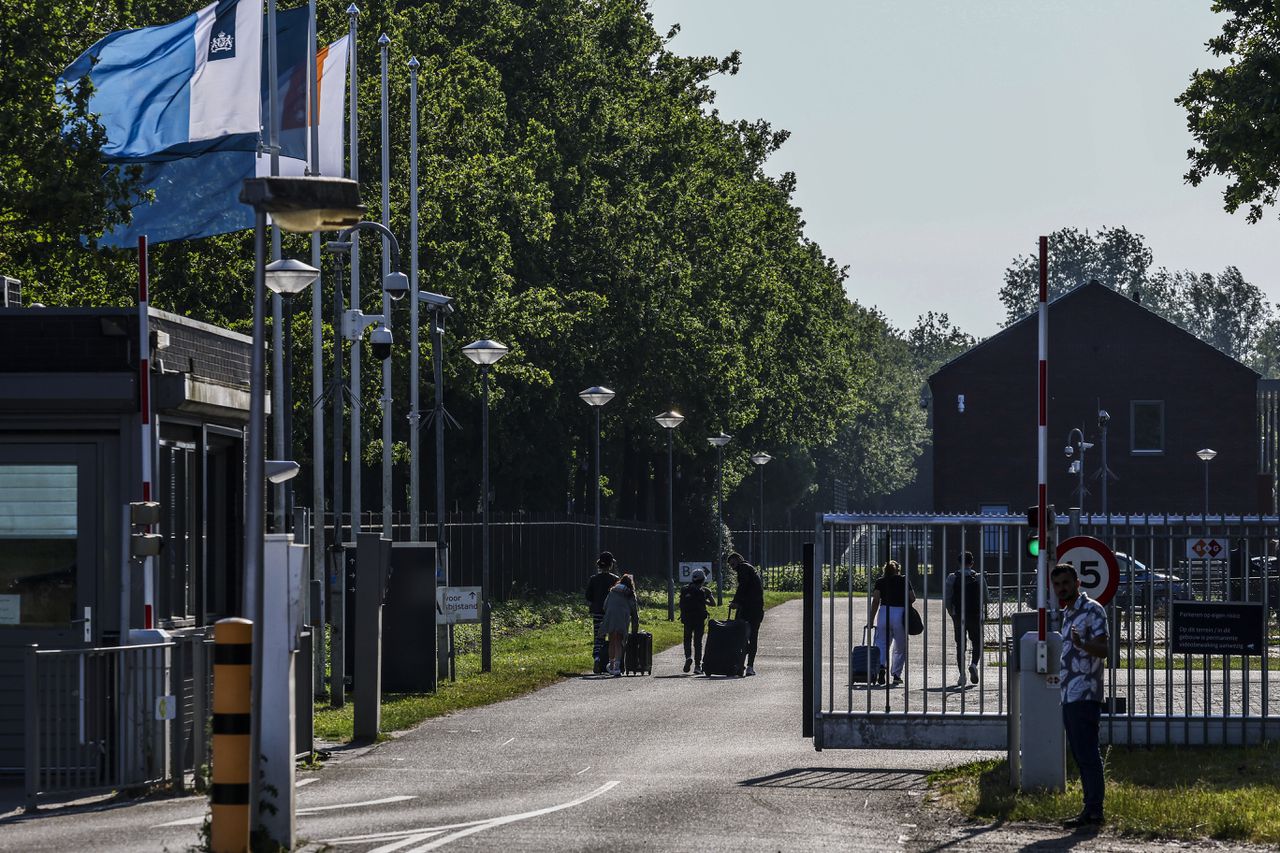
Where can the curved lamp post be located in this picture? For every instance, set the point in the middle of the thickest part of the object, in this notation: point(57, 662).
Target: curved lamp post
point(761, 459)
point(596, 397)
point(718, 442)
point(486, 354)
point(300, 205)
point(669, 421)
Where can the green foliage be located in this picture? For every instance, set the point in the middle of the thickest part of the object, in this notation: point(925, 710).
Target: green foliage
point(1115, 257)
point(935, 340)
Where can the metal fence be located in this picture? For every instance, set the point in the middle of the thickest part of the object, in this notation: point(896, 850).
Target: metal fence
point(102, 719)
point(1154, 694)
point(536, 552)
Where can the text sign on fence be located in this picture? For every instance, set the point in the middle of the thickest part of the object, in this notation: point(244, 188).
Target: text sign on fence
point(1207, 548)
point(1229, 628)
point(687, 570)
point(456, 605)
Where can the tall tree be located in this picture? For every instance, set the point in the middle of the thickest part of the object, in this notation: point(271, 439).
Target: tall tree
point(1231, 110)
point(934, 340)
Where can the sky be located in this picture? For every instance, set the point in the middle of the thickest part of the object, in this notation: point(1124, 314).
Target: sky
point(935, 141)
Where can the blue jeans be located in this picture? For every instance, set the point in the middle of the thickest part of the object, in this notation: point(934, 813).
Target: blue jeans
point(1080, 719)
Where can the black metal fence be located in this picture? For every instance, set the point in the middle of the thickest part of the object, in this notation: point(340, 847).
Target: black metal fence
point(533, 552)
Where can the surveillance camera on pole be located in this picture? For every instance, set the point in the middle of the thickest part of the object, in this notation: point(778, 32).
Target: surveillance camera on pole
point(436, 301)
point(380, 341)
point(396, 285)
point(354, 324)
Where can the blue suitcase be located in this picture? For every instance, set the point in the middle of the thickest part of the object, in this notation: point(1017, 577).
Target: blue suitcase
point(864, 661)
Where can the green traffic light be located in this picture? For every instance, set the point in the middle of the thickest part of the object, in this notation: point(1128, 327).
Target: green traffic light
point(1033, 545)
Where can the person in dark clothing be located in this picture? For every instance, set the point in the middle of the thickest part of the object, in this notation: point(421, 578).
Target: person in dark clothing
point(749, 601)
point(964, 595)
point(597, 590)
point(694, 601)
point(890, 598)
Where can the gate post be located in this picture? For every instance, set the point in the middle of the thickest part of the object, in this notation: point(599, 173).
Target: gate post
point(806, 583)
point(1043, 762)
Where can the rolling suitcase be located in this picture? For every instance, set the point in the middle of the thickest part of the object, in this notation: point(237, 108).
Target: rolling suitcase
point(637, 654)
point(864, 661)
point(726, 651)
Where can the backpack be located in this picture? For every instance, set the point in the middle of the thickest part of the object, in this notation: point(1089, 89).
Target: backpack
point(972, 596)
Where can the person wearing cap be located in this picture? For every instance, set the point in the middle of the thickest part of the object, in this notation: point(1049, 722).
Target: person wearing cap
point(597, 590)
point(749, 601)
point(695, 598)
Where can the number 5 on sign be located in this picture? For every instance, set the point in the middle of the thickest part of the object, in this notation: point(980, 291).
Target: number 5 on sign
point(1095, 564)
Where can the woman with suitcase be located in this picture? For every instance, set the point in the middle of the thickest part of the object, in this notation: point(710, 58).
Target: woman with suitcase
point(890, 598)
point(620, 612)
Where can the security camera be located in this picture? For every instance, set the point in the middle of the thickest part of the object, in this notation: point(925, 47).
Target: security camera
point(380, 342)
point(1103, 418)
point(436, 301)
point(396, 285)
point(1068, 450)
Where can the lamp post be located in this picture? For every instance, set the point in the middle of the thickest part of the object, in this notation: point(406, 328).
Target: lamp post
point(761, 459)
point(596, 397)
point(486, 354)
point(669, 421)
point(300, 205)
point(718, 442)
point(1206, 456)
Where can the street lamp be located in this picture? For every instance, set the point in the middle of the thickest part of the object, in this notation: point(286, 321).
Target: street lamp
point(596, 397)
point(718, 442)
point(287, 278)
point(761, 459)
point(486, 354)
point(669, 421)
point(1206, 456)
point(1076, 442)
point(294, 204)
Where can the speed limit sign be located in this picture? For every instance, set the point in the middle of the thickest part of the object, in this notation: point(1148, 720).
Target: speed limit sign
point(1095, 564)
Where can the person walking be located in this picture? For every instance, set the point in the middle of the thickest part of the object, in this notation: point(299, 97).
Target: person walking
point(963, 596)
point(695, 598)
point(890, 598)
point(1085, 645)
point(597, 589)
point(620, 612)
point(749, 601)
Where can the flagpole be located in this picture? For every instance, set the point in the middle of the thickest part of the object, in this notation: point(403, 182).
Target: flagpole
point(414, 415)
point(317, 375)
point(277, 307)
point(387, 525)
point(353, 13)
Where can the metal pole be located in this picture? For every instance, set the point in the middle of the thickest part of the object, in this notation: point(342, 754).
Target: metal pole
point(353, 14)
point(719, 525)
point(1206, 494)
point(277, 310)
point(254, 498)
point(485, 637)
point(760, 554)
point(444, 634)
point(338, 615)
point(671, 530)
point(1042, 446)
point(597, 408)
point(317, 374)
point(415, 518)
point(387, 525)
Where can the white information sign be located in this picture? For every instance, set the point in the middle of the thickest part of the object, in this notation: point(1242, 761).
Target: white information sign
point(687, 570)
point(10, 609)
point(1207, 548)
point(456, 605)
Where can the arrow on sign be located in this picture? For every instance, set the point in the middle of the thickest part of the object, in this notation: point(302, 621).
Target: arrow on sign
point(473, 596)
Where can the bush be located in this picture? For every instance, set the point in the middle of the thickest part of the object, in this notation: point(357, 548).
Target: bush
point(790, 578)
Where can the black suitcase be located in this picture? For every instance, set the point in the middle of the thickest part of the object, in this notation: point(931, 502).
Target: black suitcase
point(726, 651)
point(637, 654)
point(864, 661)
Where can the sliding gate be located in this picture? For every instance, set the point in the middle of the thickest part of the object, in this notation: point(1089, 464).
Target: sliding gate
point(1153, 695)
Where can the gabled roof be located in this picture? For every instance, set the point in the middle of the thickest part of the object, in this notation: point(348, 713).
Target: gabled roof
point(1101, 291)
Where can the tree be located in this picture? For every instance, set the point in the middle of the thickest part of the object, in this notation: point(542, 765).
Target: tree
point(1114, 256)
point(1231, 110)
point(934, 341)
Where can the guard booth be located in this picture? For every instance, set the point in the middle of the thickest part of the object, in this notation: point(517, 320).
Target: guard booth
point(71, 449)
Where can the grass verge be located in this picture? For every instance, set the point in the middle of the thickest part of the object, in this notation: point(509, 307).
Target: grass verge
point(535, 643)
point(1224, 793)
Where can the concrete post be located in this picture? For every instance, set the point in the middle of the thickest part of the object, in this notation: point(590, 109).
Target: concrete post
point(372, 556)
point(284, 567)
point(1040, 733)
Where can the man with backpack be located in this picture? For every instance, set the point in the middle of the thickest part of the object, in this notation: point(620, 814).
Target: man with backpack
point(597, 591)
point(695, 598)
point(964, 597)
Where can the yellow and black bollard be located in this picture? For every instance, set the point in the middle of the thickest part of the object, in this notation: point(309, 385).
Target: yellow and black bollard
point(232, 686)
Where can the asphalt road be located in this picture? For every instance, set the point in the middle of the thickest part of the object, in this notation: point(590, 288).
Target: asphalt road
point(669, 762)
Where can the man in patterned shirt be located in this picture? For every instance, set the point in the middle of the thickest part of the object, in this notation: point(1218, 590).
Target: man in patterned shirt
point(1084, 648)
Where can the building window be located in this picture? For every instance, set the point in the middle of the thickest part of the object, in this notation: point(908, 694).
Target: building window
point(1146, 427)
point(995, 539)
point(38, 538)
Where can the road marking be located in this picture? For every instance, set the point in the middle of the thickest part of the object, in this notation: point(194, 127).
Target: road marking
point(583, 770)
point(335, 806)
point(402, 837)
point(186, 821)
point(507, 741)
point(304, 782)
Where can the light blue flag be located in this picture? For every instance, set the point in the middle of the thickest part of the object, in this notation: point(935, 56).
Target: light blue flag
point(177, 89)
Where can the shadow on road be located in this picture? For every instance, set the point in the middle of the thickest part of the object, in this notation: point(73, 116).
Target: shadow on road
point(840, 779)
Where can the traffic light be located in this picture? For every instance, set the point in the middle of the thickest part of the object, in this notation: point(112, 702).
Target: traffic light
point(1033, 530)
point(145, 544)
